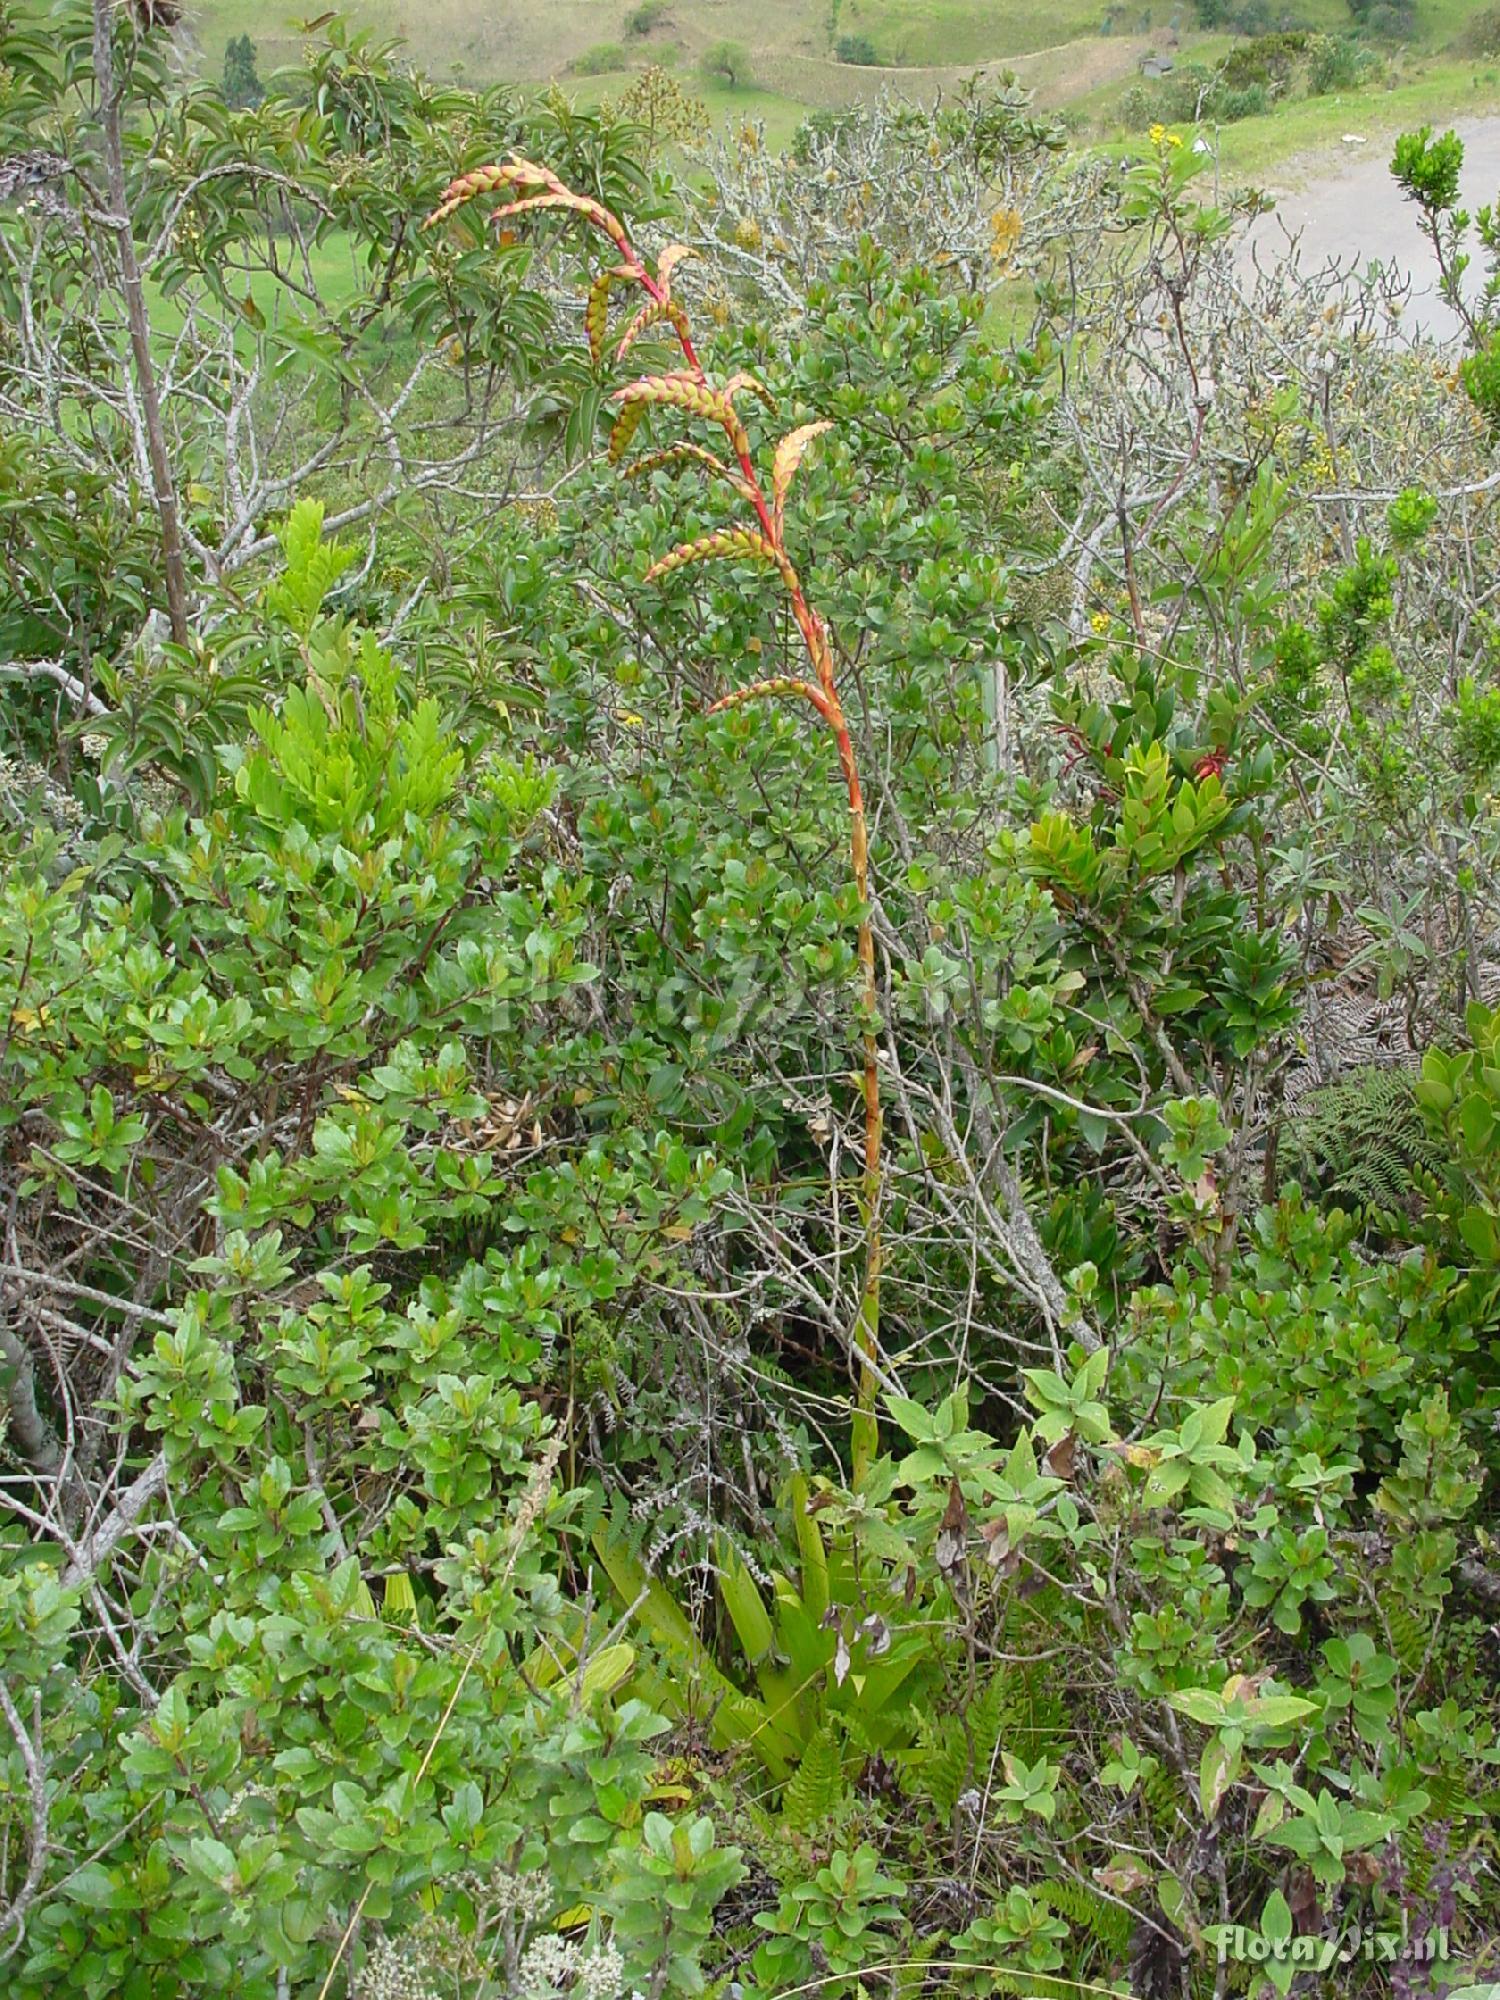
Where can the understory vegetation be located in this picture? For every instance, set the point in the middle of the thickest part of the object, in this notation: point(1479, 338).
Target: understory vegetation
point(749, 1054)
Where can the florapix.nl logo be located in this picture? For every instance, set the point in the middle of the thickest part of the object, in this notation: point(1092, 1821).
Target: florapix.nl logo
point(1301, 1950)
point(1283, 1952)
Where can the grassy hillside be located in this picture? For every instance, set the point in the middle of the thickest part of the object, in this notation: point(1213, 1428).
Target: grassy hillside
point(791, 43)
point(527, 38)
point(1084, 54)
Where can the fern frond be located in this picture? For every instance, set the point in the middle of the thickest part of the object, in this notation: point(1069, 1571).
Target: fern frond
point(1033, 1985)
point(1416, 1862)
point(954, 1762)
point(1362, 1140)
point(816, 1787)
point(1108, 1924)
point(1409, 1636)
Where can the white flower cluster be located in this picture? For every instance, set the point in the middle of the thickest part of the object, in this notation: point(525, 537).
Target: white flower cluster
point(392, 1974)
point(532, 1896)
point(601, 1974)
point(502, 1894)
point(553, 1966)
point(549, 1967)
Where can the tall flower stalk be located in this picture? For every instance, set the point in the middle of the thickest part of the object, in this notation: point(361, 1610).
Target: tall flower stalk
point(760, 536)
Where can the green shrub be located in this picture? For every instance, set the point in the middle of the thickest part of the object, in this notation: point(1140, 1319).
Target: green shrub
point(728, 62)
point(1480, 36)
point(1138, 107)
point(1388, 20)
point(1228, 106)
point(1410, 516)
point(649, 15)
point(1244, 17)
point(1268, 59)
point(603, 59)
point(1475, 721)
point(1481, 380)
point(1190, 94)
point(1339, 62)
point(858, 49)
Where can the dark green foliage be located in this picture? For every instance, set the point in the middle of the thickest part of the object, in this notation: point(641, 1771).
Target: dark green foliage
point(1243, 17)
point(648, 16)
point(1339, 62)
point(78, 566)
point(1363, 1142)
point(1192, 92)
point(1480, 35)
point(1091, 1914)
point(1392, 20)
point(601, 59)
point(1254, 76)
point(728, 62)
point(856, 49)
point(1481, 378)
point(243, 89)
point(1271, 60)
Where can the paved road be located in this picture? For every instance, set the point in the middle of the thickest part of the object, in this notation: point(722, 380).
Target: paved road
point(1348, 210)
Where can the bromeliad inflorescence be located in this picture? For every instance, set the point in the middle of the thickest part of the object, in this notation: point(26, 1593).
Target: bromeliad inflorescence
point(759, 537)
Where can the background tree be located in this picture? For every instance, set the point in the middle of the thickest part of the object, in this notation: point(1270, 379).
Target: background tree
point(728, 62)
point(243, 89)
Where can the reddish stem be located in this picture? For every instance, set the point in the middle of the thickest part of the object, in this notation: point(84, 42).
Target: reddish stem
point(824, 697)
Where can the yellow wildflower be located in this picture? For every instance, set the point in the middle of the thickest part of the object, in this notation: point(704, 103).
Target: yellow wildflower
point(1100, 622)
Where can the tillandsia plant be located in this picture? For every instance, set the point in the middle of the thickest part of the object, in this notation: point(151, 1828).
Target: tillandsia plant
point(760, 536)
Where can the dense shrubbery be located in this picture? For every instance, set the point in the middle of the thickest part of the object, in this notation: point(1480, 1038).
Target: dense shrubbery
point(1394, 20)
point(648, 16)
point(1251, 79)
point(437, 1553)
point(1339, 63)
point(601, 59)
point(1481, 33)
point(1242, 17)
